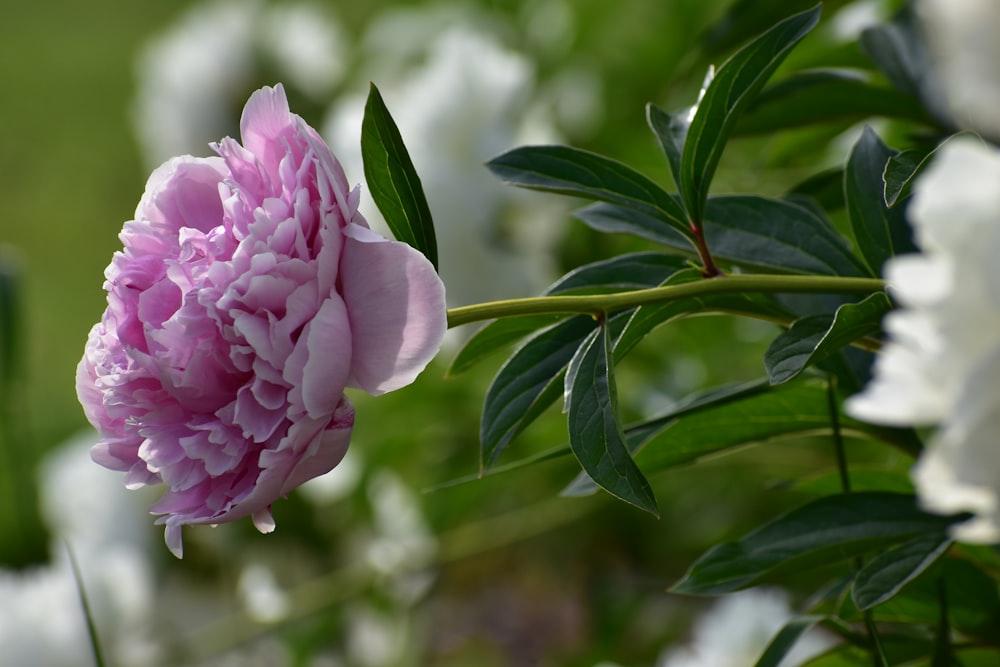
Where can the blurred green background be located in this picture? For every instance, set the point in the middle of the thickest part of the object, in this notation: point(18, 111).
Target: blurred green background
point(520, 575)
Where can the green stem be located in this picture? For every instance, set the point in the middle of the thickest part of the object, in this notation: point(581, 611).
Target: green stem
point(600, 304)
point(838, 439)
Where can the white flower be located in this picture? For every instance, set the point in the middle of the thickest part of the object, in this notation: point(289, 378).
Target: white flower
point(193, 77)
point(965, 51)
point(41, 617)
point(942, 363)
point(467, 100)
point(737, 629)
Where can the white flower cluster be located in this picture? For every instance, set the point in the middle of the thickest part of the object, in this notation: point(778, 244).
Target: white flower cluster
point(942, 363)
point(736, 630)
point(194, 77)
point(41, 618)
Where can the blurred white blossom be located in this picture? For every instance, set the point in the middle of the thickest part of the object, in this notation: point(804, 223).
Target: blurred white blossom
point(41, 617)
point(943, 358)
point(460, 98)
point(402, 540)
point(962, 35)
point(263, 598)
point(737, 629)
point(194, 77)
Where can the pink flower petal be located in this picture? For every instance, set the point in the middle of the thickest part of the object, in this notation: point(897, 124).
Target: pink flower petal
point(397, 309)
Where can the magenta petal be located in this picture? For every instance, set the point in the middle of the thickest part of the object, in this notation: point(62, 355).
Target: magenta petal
point(265, 119)
point(321, 361)
point(330, 449)
point(397, 307)
point(87, 391)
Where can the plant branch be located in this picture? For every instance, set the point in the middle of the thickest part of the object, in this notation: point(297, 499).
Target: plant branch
point(601, 304)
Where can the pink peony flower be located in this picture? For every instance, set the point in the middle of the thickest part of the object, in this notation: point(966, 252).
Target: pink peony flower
point(250, 293)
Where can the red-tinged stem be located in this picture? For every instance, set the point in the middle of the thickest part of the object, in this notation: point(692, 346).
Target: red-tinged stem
point(709, 268)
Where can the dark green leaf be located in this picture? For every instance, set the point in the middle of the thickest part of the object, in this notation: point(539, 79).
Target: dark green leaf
point(899, 50)
point(531, 380)
point(495, 335)
point(784, 641)
point(580, 173)
point(880, 232)
point(595, 432)
point(889, 571)
point(637, 434)
point(813, 338)
point(392, 180)
point(903, 168)
point(670, 131)
point(821, 96)
point(973, 602)
point(527, 384)
point(778, 235)
point(826, 188)
point(793, 409)
point(624, 272)
point(824, 532)
point(733, 88)
point(772, 234)
point(614, 219)
point(899, 173)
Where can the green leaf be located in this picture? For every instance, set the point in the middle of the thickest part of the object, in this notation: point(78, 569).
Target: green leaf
point(889, 571)
point(778, 235)
point(772, 234)
point(527, 384)
point(496, 335)
point(595, 432)
point(733, 88)
point(572, 171)
point(636, 435)
point(826, 188)
point(393, 181)
point(670, 131)
point(880, 232)
point(826, 531)
point(615, 219)
point(973, 601)
point(899, 50)
point(783, 642)
point(531, 379)
point(899, 173)
point(903, 168)
point(625, 272)
point(814, 338)
point(822, 96)
point(798, 408)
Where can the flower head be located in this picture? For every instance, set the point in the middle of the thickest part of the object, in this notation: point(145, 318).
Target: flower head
point(249, 294)
point(942, 364)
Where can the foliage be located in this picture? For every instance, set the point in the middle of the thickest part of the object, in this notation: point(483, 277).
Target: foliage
point(877, 549)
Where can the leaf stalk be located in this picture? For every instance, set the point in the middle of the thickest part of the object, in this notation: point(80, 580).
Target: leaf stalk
point(599, 305)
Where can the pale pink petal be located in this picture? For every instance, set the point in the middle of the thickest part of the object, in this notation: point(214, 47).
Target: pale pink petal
point(397, 310)
point(265, 121)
